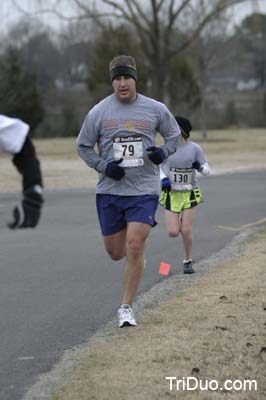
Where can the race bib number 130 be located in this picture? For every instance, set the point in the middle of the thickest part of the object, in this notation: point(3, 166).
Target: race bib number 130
point(130, 149)
point(181, 179)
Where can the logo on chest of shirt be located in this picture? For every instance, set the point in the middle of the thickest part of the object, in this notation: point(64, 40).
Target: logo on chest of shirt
point(129, 125)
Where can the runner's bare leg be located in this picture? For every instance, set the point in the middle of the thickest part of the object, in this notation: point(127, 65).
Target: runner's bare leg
point(115, 245)
point(186, 231)
point(137, 234)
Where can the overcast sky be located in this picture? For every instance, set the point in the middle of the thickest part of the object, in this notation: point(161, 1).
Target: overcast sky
point(9, 13)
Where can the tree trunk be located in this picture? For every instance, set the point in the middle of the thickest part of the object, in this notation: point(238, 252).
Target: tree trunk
point(158, 80)
point(203, 114)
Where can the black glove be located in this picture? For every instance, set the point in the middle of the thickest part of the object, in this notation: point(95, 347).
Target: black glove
point(27, 214)
point(157, 155)
point(166, 185)
point(113, 170)
point(196, 165)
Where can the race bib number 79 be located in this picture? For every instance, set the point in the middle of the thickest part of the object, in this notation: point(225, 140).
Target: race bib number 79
point(130, 149)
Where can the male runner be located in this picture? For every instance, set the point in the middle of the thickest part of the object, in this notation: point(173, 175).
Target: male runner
point(124, 126)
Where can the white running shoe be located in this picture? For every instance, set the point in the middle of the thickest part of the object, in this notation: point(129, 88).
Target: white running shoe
point(126, 316)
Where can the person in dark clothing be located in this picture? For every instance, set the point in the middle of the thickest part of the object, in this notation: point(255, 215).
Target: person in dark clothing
point(15, 140)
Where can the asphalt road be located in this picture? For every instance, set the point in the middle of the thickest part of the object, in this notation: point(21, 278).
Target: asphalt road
point(57, 285)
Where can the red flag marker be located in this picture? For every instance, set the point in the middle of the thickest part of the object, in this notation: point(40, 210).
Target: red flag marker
point(164, 268)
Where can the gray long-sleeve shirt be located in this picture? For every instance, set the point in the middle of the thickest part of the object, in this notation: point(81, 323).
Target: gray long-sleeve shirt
point(126, 130)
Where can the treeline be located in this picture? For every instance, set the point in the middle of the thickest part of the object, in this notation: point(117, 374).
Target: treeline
point(52, 79)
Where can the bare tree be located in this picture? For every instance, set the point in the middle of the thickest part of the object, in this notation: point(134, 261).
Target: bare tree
point(164, 27)
point(209, 51)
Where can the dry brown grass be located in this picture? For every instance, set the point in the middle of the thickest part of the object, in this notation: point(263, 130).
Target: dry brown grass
point(62, 168)
point(214, 330)
point(235, 150)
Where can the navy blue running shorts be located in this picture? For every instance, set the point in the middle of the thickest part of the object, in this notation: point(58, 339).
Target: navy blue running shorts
point(114, 212)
